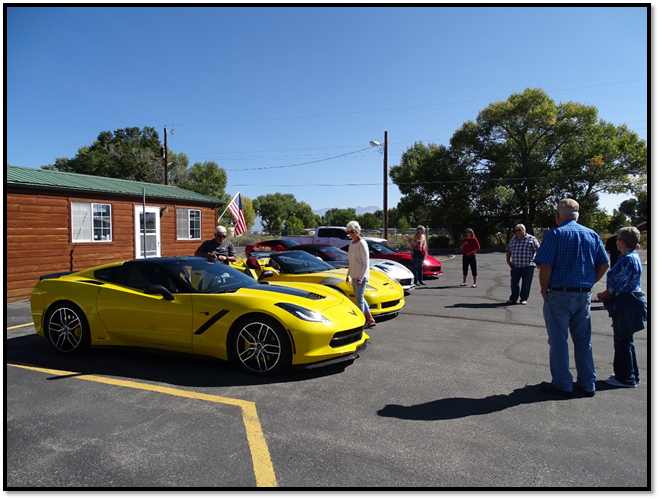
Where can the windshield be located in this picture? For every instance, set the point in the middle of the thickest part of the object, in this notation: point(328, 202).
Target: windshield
point(298, 262)
point(210, 277)
point(288, 243)
point(378, 248)
point(333, 253)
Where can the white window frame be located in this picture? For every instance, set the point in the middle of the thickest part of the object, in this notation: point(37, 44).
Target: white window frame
point(186, 228)
point(83, 222)
point(152, 235)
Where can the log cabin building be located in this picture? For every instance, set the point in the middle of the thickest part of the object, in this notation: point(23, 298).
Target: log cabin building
point(56, 222)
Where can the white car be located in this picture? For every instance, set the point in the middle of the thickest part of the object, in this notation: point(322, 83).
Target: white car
point(396, 271)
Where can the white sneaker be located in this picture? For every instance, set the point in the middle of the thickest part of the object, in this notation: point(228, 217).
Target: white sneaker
point(613, 381)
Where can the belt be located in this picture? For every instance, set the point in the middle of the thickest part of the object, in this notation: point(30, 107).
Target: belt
point(568, 289)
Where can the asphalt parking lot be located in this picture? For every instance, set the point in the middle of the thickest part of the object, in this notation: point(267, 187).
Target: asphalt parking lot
point(446, 396)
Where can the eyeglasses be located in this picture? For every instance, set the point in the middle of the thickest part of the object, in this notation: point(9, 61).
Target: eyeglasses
point(221, 235)
point(517, 230)
point(352, 231)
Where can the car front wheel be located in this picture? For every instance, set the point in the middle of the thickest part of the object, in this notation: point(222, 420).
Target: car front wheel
point(261, 346)
point(67, 329)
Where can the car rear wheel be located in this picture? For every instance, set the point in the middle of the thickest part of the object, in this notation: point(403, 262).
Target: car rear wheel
point(261, 346)
point(67, 329)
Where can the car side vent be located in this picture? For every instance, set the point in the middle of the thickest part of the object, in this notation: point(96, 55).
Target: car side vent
point(91, 282)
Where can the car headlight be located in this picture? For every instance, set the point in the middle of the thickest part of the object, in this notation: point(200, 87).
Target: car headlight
point(303, 313)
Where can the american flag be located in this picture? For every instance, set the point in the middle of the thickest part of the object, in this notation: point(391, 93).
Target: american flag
point(236, 209)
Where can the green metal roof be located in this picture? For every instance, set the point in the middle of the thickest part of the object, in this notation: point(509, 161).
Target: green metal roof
point(62, 181)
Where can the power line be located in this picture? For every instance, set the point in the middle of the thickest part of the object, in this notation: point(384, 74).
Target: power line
point(403, 107)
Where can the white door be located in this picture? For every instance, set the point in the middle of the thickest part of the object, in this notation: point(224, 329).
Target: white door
point(152, 235)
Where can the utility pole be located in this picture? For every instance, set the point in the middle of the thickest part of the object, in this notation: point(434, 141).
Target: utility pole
point(385, 176)
point(166, 176)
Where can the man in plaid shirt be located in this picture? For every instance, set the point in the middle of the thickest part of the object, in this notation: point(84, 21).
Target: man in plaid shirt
point(520, 254)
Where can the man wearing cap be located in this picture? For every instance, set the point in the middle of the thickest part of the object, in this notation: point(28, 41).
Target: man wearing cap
point(572, 258)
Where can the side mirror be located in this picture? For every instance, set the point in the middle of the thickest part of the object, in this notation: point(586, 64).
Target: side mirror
point(158, 290)
point(265, 274)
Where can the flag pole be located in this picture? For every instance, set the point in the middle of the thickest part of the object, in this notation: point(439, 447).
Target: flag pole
point(227, 206)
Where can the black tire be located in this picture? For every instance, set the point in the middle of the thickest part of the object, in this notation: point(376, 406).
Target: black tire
point(67, 329)
point(261, 346)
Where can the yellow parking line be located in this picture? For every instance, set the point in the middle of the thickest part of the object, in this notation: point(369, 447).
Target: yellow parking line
point(263, 467)
point(19, 326)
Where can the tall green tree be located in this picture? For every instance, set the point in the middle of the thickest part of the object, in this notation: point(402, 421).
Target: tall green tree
point(129, 153)
point(339, 216)
point(437, 188)
point(205, 178)
point(539, 152)
point(274, 209)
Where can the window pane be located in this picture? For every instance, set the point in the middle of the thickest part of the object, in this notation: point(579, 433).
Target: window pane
point(195, 224)
point(81, 222)
point(181, 224)
point(102, 222)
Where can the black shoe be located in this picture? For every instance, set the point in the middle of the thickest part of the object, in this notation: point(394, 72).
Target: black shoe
point(586, 394)
point(510, 302)
point(548, 387)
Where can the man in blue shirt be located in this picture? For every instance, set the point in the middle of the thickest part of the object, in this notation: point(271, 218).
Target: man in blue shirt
point(572, 258)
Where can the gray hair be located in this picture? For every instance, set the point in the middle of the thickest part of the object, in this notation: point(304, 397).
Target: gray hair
point(353, 226)
point(629, 236)
point(568, 206)
point(220, 230)
point(521, 226)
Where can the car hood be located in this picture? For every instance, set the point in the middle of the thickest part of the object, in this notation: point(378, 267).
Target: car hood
point(321, 296)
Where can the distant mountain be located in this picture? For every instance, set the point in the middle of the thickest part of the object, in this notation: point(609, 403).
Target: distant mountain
point(358, 210)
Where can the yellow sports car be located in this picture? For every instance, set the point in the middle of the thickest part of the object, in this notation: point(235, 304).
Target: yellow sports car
point(191, 305)
point(383, 294)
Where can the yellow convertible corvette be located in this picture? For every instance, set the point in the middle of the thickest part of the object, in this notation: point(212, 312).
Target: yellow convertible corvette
point(188, 304)
point(383, 294)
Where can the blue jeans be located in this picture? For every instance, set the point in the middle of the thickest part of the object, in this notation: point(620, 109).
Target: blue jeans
point(359, 295)
point(527, 275)
point(625, 360)
point(418, 266)
point(564, 312)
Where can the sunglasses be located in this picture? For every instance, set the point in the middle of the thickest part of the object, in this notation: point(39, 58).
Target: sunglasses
point(221, 235)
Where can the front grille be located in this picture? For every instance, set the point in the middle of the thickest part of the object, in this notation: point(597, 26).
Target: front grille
point(391, 303)
point(385, 305)
point(405, 282)
point(436, 269)
point(346, 337)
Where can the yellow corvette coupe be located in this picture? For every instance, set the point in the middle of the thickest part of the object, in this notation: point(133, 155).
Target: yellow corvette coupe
point(188, 304)
point(383, 294)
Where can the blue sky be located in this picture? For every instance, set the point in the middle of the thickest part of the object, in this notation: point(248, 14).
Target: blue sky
point(271, 93)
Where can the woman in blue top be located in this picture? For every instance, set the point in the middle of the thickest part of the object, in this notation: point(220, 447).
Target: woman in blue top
point(626, 304)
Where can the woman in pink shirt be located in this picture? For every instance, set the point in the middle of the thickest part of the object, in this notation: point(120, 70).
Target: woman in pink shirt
point(469, 246)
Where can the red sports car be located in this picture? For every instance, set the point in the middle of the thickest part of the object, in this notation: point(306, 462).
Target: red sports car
point(274, 245)
point(432, 267)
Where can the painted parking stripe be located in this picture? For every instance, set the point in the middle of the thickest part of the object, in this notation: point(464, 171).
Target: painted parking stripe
point(19, 326)
point(262, 464)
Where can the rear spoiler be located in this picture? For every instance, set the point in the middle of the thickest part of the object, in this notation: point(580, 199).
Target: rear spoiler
point(55, 275)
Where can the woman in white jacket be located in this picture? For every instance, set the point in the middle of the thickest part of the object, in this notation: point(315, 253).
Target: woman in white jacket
point(358, 269)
